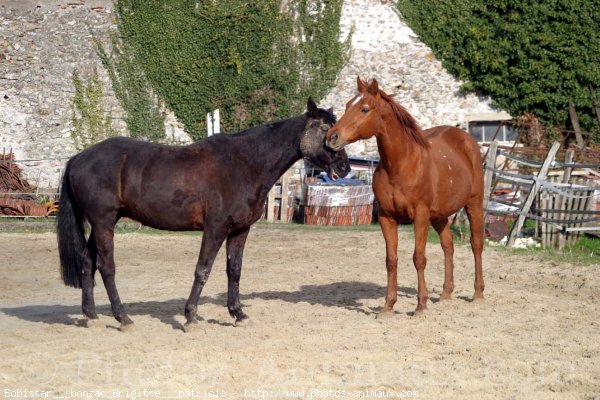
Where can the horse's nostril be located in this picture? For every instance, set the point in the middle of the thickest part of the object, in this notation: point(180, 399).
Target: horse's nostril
point(334, 138)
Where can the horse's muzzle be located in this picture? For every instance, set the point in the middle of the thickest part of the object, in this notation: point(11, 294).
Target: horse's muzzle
point(335, 142)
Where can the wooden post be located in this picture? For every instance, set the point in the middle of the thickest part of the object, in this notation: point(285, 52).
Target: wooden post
point(532, 194)
point(285, 184)
point(271, 205)
point(490, 162)
point(563, 199)
point(576, 127)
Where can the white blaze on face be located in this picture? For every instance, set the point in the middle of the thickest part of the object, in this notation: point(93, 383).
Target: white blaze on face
point(356, 100)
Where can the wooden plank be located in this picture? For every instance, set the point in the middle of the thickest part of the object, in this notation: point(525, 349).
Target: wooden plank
point(541, 224)
point(576, 127)
point(490, 161)
point(573, 204)
point(271, 205)
point(582, 204)
point(562, 237)
point(584, 229)
point(532, 195)
point(285, 184)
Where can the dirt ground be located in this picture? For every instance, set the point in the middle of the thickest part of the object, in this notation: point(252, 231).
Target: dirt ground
point(313, 296)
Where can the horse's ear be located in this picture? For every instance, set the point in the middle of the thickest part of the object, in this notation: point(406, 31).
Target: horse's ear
point(373, 87)
point(311, 106)
point(330, 110)
point(362, 86)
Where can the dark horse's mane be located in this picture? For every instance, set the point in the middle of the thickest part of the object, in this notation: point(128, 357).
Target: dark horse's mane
point(326, 115)
point(411, 126)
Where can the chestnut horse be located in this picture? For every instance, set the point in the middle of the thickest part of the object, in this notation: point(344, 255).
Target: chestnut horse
point(218, 185)
point(423, 177)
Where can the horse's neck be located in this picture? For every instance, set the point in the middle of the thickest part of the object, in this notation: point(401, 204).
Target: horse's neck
point(277, 149)
point(399, 153)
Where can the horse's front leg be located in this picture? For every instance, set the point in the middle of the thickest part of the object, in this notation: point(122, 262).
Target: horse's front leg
point(235, 250)
point(211, 242)
point(421, 227)
point(389, 227)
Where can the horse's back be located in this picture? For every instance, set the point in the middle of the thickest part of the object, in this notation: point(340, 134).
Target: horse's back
point(123, 173)
point(457, 157)
point(451, 137)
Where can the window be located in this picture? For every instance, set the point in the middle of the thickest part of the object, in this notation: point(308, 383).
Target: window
point(486, 131)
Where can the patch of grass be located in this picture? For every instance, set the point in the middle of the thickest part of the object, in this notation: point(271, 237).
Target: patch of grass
point(586, 251)
point(317, 228)
point(27, 225)
point(128, 226)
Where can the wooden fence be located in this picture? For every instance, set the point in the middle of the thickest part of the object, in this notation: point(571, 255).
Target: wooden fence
point(550, 192)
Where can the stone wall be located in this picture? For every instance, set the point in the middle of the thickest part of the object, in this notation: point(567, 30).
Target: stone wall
point(43, 41)
point(41, 44)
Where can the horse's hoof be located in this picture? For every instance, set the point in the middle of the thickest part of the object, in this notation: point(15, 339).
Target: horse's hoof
point(127, 327)
point(191, 326)
point(386, 315)
point(419, 312)
point(92, 323)
point(244, 322)
point(445, 296)
point(478, 298)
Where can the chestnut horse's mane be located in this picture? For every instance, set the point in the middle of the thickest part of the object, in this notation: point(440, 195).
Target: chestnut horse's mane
point(411, 126)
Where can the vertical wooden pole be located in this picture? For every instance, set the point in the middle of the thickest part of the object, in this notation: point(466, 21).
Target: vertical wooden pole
point(490, 162)
point(545, 204)
point(563, 199)
point(576, 127)
point(271, 205)
point(532, 194)
point(285, 184)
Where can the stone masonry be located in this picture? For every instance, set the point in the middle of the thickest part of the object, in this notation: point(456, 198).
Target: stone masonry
point(43, 41)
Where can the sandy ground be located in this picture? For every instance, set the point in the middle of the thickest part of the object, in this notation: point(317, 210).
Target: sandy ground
point(313, 296)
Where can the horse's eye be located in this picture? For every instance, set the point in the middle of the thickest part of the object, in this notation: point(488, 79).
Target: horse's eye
point(365, 109)
point(324, 128)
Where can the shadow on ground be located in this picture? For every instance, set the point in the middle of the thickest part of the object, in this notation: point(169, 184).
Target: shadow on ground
point(348, 295)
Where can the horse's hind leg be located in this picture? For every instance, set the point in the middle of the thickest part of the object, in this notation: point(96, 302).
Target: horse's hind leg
point(235, 250)
point(211, 242)
point(90, 255)
point(105, 245)
point(442, 227)
point(475, 215)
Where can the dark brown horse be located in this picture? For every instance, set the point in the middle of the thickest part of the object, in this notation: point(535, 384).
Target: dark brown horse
point(218, 185)
point(423, 177)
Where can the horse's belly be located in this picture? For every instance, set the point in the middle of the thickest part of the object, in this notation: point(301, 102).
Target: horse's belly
point(182, 217)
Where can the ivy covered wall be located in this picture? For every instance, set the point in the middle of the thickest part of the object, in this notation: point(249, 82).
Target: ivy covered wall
point(255, 61)
point(534, 57)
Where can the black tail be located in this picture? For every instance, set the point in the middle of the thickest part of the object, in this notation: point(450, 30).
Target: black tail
point(71, 239)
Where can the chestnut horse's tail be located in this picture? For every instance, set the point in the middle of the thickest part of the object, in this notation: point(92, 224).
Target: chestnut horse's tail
point(70, 233)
